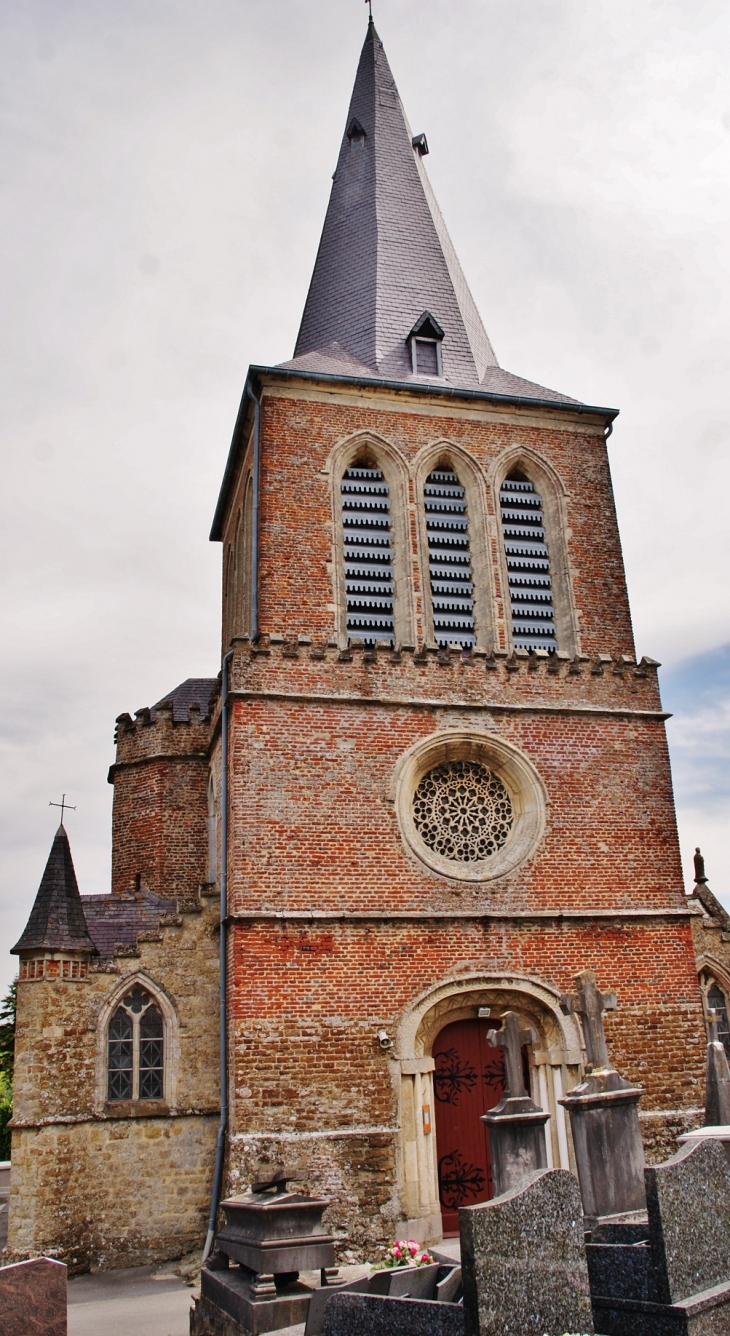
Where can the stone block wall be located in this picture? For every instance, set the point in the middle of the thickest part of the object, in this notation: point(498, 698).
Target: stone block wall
point(98, 1184)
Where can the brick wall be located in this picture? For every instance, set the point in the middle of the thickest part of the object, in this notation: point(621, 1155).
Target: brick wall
point(160, 779)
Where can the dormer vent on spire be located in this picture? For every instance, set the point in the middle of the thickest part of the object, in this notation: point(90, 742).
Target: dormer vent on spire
point(355, 130)
point(420, 144)
point(425, 345)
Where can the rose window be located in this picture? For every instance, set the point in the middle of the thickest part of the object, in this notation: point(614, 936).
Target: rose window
point(462, 811)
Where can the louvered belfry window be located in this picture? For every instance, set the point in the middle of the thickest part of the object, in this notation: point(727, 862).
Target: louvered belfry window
point(528, 564)
point(368, 554)
point(449, 559)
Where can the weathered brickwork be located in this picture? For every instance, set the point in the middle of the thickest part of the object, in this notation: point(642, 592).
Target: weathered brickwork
point(89, 1186)
point(338, 928)
point(160, 778)
point(299, 432)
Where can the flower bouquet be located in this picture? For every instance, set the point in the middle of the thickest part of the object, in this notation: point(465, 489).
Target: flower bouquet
point(404, 1252)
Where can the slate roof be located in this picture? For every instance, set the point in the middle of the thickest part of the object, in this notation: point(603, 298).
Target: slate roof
point(385, 255)
point(193, 691)
point(57, 920)
point(115, 920)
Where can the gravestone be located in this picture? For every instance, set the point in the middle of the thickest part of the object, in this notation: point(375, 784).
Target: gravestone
point(676, 1282)
point(516, 1125)
point(604, 1115)
point(252, 1279)
point(33, 1298)
point(523, 1260)
point(375, 1315)
point(717, 1079)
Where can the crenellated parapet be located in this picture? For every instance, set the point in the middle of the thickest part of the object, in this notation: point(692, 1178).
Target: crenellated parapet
point(426, 674)
point(154, 733)
point(160, 825)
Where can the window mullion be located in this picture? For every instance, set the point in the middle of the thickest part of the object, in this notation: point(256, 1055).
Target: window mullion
point(135, 1057)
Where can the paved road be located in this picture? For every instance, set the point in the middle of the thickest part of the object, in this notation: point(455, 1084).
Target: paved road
point(118, 1303)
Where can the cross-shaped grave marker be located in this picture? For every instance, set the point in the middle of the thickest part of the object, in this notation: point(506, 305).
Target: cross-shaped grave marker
point(589, 1003)
point(511, 1039)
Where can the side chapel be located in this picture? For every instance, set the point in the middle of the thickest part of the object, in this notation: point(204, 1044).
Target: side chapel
point(439, 788)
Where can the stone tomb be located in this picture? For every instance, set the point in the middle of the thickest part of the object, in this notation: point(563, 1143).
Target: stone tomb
point(523, 1260)
point(33, 1298)
point(672, 1278)
point(270, 1235)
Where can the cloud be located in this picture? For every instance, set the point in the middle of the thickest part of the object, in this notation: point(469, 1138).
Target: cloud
point(166, 172)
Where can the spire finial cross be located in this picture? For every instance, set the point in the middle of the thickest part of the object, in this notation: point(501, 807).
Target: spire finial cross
point(369, 4)
point(64, 806)
point(511, 1039)
point(590, 1005)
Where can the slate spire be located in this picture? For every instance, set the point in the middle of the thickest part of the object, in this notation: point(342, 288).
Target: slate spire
point(385, 256)
point(57, 920)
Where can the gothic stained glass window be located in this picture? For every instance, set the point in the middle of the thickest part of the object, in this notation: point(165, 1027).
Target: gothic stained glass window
point(136, 1049)
point(718, 1002)
point(121, 1055)
point(151, 1053)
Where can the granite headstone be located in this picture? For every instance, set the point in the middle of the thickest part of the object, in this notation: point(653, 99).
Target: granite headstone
point(523, 1260)
point(376, 1315)
point(33, 1298)
point(674, 1281)
point(688, 1198)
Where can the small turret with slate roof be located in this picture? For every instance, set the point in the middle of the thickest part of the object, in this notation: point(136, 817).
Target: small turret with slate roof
point(56, 942)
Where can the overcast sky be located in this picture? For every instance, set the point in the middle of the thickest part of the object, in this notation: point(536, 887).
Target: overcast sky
point(166, 166)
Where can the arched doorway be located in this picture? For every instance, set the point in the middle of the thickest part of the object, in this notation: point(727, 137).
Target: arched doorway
point(468, 1081)
point(424, 1032)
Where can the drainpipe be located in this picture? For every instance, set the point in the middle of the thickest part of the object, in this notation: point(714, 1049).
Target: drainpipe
point(220, 1145)
point(255, 518)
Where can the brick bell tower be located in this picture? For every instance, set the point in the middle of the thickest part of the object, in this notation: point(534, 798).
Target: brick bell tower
point(448, 787)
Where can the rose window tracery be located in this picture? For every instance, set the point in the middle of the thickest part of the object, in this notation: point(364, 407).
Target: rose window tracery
point(462, 811)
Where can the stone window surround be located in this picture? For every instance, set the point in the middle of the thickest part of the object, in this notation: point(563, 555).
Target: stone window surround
point(710, 971)
point(473, 482)
point(411, 568)
point(395, 472)
point(129, 1108)
point(556, 1065)
point(519, 776)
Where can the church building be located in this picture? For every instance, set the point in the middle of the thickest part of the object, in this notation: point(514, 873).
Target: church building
point(430, 784)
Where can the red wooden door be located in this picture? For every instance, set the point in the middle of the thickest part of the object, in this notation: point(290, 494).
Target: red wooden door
point(468, 1081)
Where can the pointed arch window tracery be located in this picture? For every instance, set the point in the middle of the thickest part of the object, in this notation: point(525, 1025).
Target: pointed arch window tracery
point(136, 1048)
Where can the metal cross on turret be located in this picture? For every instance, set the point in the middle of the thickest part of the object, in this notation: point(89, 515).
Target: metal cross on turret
point(511, 1039)
point(589, 1003)
point(64, 806)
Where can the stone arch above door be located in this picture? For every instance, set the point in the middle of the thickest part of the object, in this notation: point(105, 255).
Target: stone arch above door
point(556, 1066)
